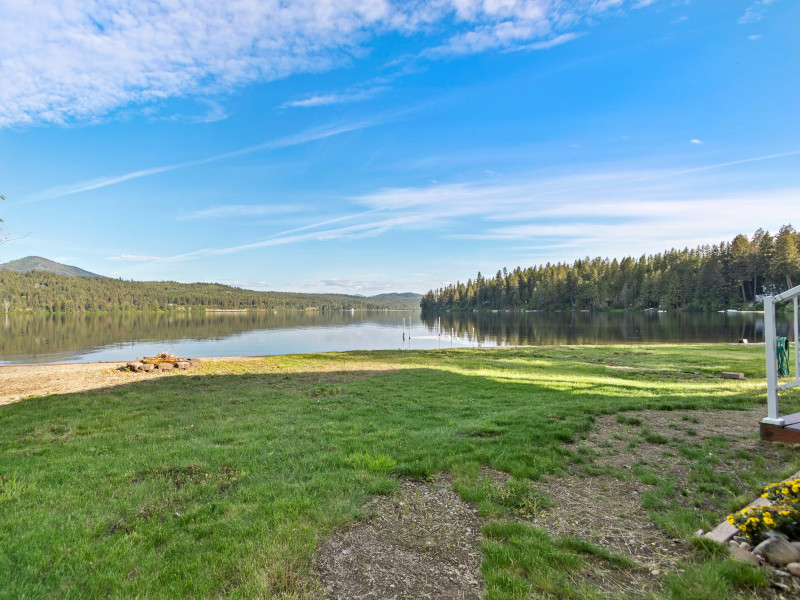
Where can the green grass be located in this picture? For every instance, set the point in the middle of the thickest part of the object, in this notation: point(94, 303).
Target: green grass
point(219, 484)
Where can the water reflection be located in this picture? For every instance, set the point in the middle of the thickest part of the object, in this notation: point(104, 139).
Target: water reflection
point(122, 336)
point(541, 328)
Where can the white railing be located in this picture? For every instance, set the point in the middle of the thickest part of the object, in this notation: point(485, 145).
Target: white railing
point(773, 414)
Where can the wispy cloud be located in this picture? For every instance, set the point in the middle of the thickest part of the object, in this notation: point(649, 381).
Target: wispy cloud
point(361, 91)
point(755, 12)
point(552, 42)
point(335, 98)
point(293, 140)
point(356, 285)
point(643, 209)
point(696, 141)
point(81, 61)
point(134, 257)
point(243, 210)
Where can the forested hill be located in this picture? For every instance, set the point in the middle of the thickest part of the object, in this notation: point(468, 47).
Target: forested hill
point(710, 277)
point(37, 263)
point(50, 292)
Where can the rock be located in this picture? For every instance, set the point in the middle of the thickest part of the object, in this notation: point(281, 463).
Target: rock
point(782, 573)
point(796, 545)
point(744, 556)
point(745, 546)
point(699, 532)
point(183, 365)
point(740, 539)
point(780, 586)
point(147, 367)
point(776, 534)
point(733, 544)
point(134, 366)
point(165, 366)
point(777, 551)
point(794, 568)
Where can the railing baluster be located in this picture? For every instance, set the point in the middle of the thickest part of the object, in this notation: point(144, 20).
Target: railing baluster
point(796, 343)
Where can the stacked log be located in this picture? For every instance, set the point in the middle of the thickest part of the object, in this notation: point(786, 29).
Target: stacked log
point(161, 362)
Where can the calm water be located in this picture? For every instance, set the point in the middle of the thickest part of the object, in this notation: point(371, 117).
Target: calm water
point(26, 339)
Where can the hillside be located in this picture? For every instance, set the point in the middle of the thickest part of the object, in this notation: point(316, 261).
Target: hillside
point(45, 291)
point(37, 263)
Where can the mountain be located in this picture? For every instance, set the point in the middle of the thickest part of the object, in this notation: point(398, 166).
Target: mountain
point(400, 296)
point(37, 263)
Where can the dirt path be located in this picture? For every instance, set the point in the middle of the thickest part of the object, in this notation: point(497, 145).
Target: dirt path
point(420, 543)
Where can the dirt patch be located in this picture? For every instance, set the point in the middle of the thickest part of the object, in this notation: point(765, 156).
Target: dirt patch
point(419, 543)
point(607, 509)
point(18, 382)
point(21, 382)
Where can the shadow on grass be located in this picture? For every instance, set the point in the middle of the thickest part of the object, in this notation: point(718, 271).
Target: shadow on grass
point(221, 484)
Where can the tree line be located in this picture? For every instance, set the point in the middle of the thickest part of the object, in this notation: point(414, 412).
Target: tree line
point(709, 277)
point(40, 291)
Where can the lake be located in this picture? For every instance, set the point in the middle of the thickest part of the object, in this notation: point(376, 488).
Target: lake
point(39, 339)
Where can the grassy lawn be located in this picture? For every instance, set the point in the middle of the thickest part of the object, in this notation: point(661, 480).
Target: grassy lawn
point(220, 483)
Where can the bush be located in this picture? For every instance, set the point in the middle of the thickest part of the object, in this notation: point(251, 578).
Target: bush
point(754, 522)
point(785, 492)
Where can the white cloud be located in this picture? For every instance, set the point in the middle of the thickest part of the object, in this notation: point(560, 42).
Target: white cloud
point(335, 98)
point(696, 141)
point(644, 210)
point(751, 15)
point(356, 286)
point(134, 257)
point(754, 37)
point(292, 140)
point(243, 210)
point(80, 60)
point(552, 42)
point(756, 12)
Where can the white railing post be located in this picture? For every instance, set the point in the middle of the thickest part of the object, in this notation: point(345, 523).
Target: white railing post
point(773, 415)
point(796, 343)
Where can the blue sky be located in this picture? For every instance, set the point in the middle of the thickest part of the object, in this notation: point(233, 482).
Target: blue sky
point(367, 146)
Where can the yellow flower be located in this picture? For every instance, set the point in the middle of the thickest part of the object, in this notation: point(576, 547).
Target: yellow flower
point(785, 491)
point(764, 495)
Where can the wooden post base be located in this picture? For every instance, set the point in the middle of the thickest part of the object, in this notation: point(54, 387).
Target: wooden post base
point(789, 433)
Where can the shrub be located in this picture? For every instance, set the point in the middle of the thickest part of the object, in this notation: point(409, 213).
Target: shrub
point(754, 522)
point(785, 492)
